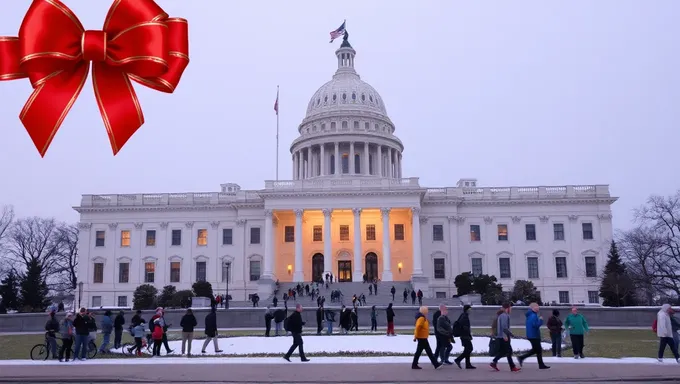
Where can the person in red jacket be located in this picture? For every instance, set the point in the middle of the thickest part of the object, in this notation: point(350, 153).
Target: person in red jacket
point(157, 336)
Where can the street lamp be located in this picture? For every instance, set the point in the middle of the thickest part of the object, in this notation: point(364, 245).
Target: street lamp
point(226, 298)
point(80, 294)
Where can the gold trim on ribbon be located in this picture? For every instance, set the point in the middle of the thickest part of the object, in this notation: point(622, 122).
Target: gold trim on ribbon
point(66, 12)
point(145, 24)
point(52, 55)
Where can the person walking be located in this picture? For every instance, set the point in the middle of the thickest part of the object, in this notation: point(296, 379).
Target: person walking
point(503, 337)
point(107, 328)
point(319, 319)
point(374, 319)
point(578, 327)
point(462, 328)
point(67, 332)
point(330, 319)
point(211, 331)
point(444, 335)
point(440, 340)
point(390, 320)
point(295, 324)
point(188, 323)
point(664, 330)
point(421, 332)
point(555, 328)
point(118, 324)
point(533, 333)
point(393, 291)
point(157, 336)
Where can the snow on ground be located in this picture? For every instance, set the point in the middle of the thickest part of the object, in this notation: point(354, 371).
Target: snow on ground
point(336, 343)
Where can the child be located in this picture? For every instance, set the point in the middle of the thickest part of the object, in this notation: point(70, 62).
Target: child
point(157, 336)
point(139, 334)
point(67, 331)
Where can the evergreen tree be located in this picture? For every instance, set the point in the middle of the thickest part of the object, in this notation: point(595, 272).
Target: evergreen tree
point(463, 283)
point(33, 288)
point(617, 288)
point(165, 298)
point(144, 297)
point(9, 291)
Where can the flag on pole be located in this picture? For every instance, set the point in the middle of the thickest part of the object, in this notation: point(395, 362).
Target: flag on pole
point(276, 103)
point(338, 32)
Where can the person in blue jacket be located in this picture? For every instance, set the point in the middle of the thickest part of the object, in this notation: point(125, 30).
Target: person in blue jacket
point(533, 328)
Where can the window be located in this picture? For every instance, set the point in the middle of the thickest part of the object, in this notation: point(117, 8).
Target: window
point(344, 233)
point(151, 238)
point(200, 271)
point(149, 272)
point(564, 297)
point(122, 301)
point(591, 267)
point(332, 161)
point(100, 236)
point(504, 266)
point(502, 232)
point(476, 266)
point(437, 232)
point(254, 270)
point(176, 237)
point(226, 274)
point(317, 233)
point(289, 234)
point(202, 237)
point(227, 238)
point(255, 235)
point(439, 268)
point(530, 230)
point(558, 231)
point(561, 267)
point(370, 232)
point(587, 231)
point(175, 268)
point(357, 164)
point(399, 232)
point(532, 267)
point(345, 163)
point(96, 301)
point(125, 238)
point(593, 297)
point(98, 273)
point(440, 295)
point(475, 233)
point(123, 272)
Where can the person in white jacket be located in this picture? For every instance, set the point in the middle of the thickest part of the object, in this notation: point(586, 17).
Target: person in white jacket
point(665, 332)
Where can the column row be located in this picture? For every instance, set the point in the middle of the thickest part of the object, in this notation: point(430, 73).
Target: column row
point(368, 159)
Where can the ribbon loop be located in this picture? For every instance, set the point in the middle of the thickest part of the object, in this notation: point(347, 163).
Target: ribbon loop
point(93, 45)
point(9, 59)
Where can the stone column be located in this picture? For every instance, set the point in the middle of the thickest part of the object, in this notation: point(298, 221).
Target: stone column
point(309, 163)
point(298, 275)
point(337, 159)
point(378, 168)
point(322, 171)
point(390, 168)
point(301, 163)
point(398, 155)
point(327, 243)
point(268, 243)
point(352, 165)
point(387, 257)
point(295, 166)
point(357, 273)
point(417, 257)
point(367, 164)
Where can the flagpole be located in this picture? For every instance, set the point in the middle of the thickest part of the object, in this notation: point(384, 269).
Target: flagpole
point(277, 135)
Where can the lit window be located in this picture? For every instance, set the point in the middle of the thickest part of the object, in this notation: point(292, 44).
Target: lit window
point(125, 238)
point(370, 232)
point(502, 232)
point(202, 238)
point(399, 232)
point(475, 233)
point(149, 272)
point(317, 233)
point(175, 271)
point(344, 233)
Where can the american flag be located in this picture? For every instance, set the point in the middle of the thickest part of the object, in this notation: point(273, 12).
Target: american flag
point(276, 103)
point(338, 32)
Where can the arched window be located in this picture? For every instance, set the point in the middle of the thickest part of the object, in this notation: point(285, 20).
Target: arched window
point(345, 163)
point(357, 164)
point(370, 165)
point(332, 165)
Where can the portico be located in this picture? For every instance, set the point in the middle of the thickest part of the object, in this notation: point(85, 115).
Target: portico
point(382, 243)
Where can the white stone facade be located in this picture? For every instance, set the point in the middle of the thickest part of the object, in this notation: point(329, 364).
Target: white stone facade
point(348, 211)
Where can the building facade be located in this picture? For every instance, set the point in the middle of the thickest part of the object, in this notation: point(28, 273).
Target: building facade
point(348, 211)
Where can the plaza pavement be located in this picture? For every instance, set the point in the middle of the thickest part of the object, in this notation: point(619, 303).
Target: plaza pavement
point(326, 370)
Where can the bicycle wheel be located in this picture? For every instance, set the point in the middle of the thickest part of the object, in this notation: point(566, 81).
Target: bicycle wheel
point(125, 349)
point(91, 350)
point(39, 352)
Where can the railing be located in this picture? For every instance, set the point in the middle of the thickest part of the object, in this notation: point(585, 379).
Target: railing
point(341, 183)
point(518, 193)
point(170, 199)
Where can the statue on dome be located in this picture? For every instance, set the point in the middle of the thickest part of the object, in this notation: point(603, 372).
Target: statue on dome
point(345, 42)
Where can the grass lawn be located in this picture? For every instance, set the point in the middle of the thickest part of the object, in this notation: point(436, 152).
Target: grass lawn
point(598, 343)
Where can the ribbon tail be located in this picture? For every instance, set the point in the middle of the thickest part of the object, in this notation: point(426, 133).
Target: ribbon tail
point(49, 104)
point(10, 53)
point(118, 104)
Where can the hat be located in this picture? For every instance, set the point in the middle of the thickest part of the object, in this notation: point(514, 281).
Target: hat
point(466, 307)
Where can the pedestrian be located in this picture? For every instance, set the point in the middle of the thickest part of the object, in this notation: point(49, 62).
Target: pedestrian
point(295, 324)
point(462, 328)
point(268, 316)
point(413, 297)
point(503, 337)
point(437, 336)
point(444, 335)
point(160, 314)
point(188, 323)
point(157, 336)
point(138, 334)
point(52, 328)
point(67, 333)
point(533, 333)
point(319, 319)
point(354, 315)
point(370, 289)
point(390, 320)
point(107, 328)
point(393, 291)
point(81, 325)
point(578, 327)
point(374, 319)
point(118, 324)
point(555, 328)
point(675, 326)
point(664, 330)
point(421, 332)
point(211, 331)
point(279, 317)
point(330, 319)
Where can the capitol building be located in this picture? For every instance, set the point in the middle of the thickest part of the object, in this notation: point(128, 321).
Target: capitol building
point(348, 210)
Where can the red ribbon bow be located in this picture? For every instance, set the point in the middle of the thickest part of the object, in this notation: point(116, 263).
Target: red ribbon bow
point(138, 42)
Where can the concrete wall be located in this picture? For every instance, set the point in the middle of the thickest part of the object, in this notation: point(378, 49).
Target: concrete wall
point(405, 316)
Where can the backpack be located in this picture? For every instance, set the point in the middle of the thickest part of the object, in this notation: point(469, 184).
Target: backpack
point(654, 325)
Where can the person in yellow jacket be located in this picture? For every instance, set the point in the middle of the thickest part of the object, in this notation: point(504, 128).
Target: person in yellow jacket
point(420, 335)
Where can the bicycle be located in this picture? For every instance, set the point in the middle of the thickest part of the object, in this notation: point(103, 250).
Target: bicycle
point(42, 351)
point(147, 347)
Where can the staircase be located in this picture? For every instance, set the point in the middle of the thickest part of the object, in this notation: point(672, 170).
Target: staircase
point(348, 289)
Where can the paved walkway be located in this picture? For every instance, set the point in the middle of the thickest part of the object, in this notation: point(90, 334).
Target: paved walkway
point(213, 370)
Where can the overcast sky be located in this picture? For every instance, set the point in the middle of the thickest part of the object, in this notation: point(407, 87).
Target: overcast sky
point(511, 93)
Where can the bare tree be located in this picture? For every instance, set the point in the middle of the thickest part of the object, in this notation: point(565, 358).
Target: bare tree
point(34, 240)
point(66, 264)
point(6, 219)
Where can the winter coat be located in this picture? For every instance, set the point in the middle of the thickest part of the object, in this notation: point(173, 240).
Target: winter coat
point(464, 322)
point(319, 315)
point(503, 326)
point(211, 324)
point(390, 314)
point(555, 325)
point(279, 315)
point(118, 322)
point(81, 325)
point(675, 324)
point(443, 327)
point(664, 328)
point(330, 316)
point(435, 317)
point(188, 323)
point(422, 328)
point(91, 324)
point(374, 314)
point(533, 325)
point(66, 330)
point(157, 333)
point(107, 325)
point(345, 319)
point(576, 324)
point(295, 322)
point(52, 326)
point(139, 330)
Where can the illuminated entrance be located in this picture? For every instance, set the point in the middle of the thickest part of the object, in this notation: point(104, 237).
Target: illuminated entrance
point(317, 267)
point(371, 266)
point(344, 270)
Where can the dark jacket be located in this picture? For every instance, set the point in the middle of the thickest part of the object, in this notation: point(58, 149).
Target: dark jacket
point(135, 320)
point(345, 319)
point(464, 323)
point(279, 315)
point(555, 325)
point(91, 324)
point(52, 326)
point(319, 315)
point(82, 325)
point(188, 323)
point(118, 322)
point(390, 314)
point(211, 324)
point(435, 317)
point(443, 327)
point(295, 322)
point(330, 316)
